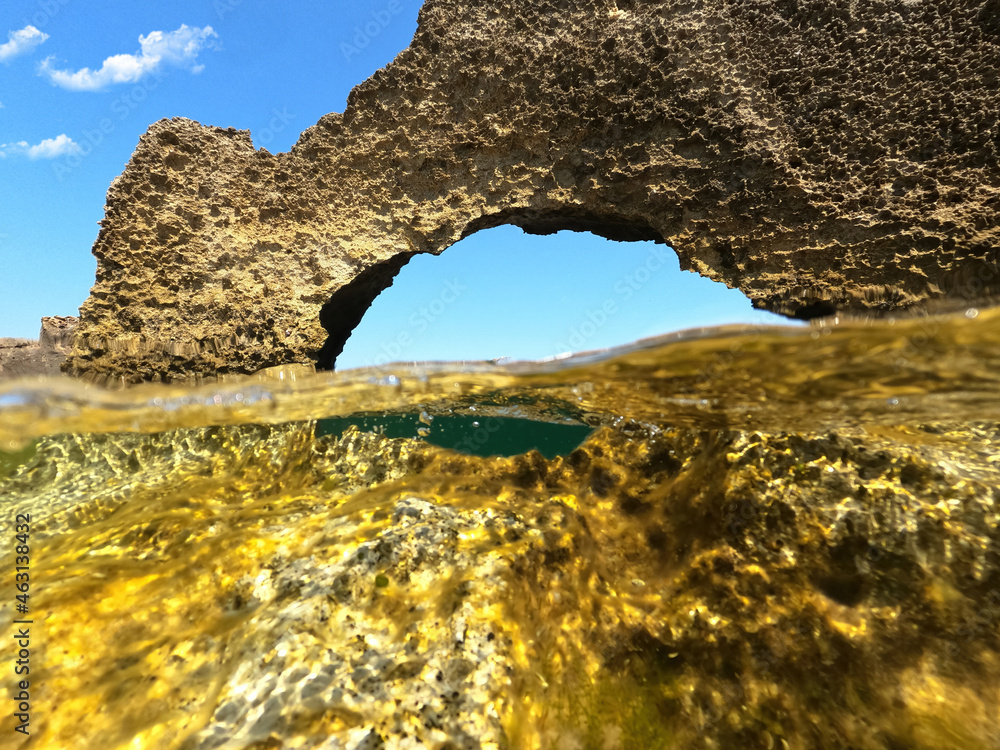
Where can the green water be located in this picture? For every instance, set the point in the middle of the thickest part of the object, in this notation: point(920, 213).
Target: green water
point(476, 436)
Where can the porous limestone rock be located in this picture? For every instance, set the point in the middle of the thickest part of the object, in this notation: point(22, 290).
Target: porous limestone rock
point(822, 156)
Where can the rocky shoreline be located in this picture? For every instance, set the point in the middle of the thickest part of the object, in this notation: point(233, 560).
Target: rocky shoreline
point(669, 589)
point(701, 571)
point(21, 358)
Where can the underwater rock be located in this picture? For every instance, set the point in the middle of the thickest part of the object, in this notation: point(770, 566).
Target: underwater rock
point(823, 157)
point(24, 357)
point(259, 587)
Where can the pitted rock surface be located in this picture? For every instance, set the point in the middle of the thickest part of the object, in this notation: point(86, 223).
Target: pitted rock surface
point(823, 157)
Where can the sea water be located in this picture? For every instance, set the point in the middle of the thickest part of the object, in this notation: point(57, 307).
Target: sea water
point(733, 537)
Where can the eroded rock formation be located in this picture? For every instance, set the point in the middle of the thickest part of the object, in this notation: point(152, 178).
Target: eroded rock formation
point(821, 156)
point(26, 357)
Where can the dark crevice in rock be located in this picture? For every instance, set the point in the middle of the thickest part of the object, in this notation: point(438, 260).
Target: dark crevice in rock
point(809, 310)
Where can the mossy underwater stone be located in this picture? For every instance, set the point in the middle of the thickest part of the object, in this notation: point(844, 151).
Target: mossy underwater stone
point(213, 587)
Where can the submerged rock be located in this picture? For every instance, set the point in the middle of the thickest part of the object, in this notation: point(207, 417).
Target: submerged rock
point(257, 587)
point(821, 156)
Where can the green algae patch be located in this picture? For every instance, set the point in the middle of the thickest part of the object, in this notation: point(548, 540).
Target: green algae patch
point(625, 707)
point(11, 461)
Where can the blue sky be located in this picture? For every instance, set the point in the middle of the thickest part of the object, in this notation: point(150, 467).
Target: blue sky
point(80, 81)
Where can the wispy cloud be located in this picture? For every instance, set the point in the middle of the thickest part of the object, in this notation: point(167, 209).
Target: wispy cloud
point(50, 148)
point(178, 48)
point(21, 41)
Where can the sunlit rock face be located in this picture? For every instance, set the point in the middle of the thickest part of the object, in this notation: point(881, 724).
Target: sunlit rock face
point(258, 587)
point(821, 156)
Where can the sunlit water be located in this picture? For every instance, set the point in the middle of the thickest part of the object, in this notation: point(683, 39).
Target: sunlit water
point(721, 538)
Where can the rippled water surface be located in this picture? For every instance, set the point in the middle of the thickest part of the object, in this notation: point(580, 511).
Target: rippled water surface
point(721, 538)
point(746, 378)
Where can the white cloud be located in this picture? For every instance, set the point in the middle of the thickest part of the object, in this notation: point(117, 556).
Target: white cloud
point(21, 41)
point(50, 148)
point(178, 48)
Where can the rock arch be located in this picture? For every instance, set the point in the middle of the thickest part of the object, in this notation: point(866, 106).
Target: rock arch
point(341, 315)
point(821, 156)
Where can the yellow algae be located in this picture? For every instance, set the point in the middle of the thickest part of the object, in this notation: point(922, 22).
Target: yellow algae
point(668, 583)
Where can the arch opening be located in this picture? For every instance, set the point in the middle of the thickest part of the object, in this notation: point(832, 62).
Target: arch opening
point(501, 293)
